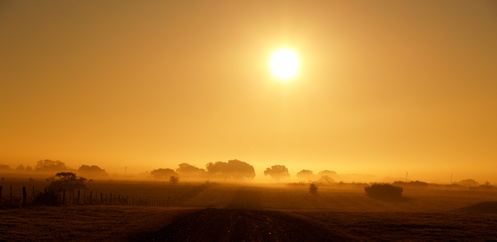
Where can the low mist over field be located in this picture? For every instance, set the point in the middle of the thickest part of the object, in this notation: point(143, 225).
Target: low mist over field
point(231, 171)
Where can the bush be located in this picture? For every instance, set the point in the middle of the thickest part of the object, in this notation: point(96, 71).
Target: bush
point(383, 191)
point(313, 189)
point(48, 198)
point(66, 181)
point(14, 203)
point(173, 180)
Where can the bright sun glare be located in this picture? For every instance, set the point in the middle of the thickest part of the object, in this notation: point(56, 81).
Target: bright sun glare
point(284, 64)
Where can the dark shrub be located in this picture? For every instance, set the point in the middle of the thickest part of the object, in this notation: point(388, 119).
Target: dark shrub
point(66, 181)
point(383, 191)
point(49, 198)
point(313, 189)
point(173, 180)
point(14, 203)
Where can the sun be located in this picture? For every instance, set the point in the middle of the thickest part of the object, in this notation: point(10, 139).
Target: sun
point(284, 64)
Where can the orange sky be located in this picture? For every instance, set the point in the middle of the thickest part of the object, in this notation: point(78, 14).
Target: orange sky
point(384, 87)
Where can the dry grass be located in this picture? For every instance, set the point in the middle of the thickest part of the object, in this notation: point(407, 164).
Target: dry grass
point(83, 222)
point(424, 214)
point(388, 226)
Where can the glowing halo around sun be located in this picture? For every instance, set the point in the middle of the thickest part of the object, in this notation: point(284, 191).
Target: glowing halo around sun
point(284, 64)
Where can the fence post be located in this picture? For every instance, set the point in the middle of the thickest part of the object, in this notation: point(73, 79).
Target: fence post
point(78, 196)
point(24, 196)
point(64, 197)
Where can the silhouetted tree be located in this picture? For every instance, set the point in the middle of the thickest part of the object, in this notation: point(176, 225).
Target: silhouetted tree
point(468, 183)
point(327, 173)
point(20, 167)
point(277, 172)
point(313, 189)
point(163, 173)
point(486, 185)
point(66, 181)
point(50, 165)
point(305, 175)
point(411, 183)
point(92, 171)
point(4, 167)
point(326, 176)
point(235, 169)
point(174, 180)
point(187, 170)
point(28, 168)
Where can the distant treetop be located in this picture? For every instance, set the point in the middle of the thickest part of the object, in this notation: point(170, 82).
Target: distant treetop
point(187, 170)
point(305, 175)
point(163, 173)
point(233, 169)
point(277, 172)
point(50, 165)
point(92, 171)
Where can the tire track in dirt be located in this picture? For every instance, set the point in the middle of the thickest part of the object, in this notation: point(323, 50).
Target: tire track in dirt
point(242, 225)
point(243, 219)
point(246, 198)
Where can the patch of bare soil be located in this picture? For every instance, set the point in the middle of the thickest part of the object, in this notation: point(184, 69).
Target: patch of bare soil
point(246, 198)
point(242, 220)
point(241, 225)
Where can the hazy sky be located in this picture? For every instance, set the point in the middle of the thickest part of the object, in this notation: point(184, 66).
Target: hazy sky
point(384, 87)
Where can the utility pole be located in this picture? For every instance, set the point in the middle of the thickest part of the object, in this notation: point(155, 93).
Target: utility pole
point(406, 175)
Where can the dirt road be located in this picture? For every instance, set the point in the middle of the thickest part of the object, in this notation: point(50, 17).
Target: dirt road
point(242, 220)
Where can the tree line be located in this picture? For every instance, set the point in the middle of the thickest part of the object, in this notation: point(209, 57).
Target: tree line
point(54, 166)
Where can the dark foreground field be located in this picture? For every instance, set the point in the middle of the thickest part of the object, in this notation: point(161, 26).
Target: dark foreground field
point(240, 213)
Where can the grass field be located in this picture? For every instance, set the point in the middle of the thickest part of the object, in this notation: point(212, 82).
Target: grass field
point(215, 211)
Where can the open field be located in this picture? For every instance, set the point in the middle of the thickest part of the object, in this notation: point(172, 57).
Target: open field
point(229, 212)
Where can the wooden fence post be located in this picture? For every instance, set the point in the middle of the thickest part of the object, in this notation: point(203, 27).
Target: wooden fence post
point(24, 196)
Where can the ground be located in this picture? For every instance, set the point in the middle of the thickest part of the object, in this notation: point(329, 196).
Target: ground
point(262, 213)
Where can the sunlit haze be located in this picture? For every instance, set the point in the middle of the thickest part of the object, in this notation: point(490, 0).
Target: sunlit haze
point(380, 88)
